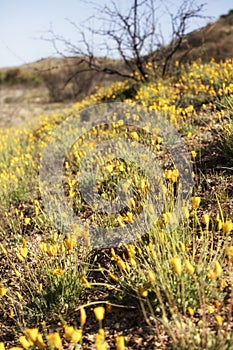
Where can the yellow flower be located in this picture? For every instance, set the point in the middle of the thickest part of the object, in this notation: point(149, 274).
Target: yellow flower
point(25, 342)
point(151, 276)
point(182, 247)
point(3, 249)
point(72, 334)
point(210, 309)
point(219, 319)
point(191, 311)
point(189, 267)
point(127, 266)
point(69, 243)
point(83, 316)
point(32, 334)
point(52, 250)
point(133, 262)
point(132, 203)
point(40, 342)
point(43, 247)
point(99, 312)
point(62, 248)
point(27, 221)
point(17, 273)
point(120, 167)
point(120, 342)
point(211, 274)
point(143, 292)
point(2, 346)
point(19, 296)
point(120, 221)
point(129, 217)
point(19, 256)
point(114, 256)
point(227, 226)
point(131, 250)
point(101, 333)
point(134, 135)
point(193, 154)
point(217, 271)
point(223, 283)
point(218, 268)
point(113, 277)
point(121, 264)
point(143, 184)
point(54, 340)
point(229, 251)
point(58, 272)
point(55, 237)
point(76, 336)
point(175, 175)
point(206, 219)
point(219, 225)
point(100, 340)
point(85, 282)
point(176, 264)
point(109, 168)
point(12, 314)
point(168, 174)
point(167, 217)
point(3, 291)
point(196, 202)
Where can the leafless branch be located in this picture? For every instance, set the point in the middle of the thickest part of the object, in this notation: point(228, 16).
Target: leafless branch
point(134, 33)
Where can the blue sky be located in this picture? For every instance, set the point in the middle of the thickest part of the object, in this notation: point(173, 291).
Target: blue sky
point(24, 22)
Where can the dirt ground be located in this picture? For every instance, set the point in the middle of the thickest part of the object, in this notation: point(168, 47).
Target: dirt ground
point(19, 104)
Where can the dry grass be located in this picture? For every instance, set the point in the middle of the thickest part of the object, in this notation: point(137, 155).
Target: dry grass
point(171, 289)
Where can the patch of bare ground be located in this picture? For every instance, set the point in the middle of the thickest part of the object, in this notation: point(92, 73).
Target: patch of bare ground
point(19, 104)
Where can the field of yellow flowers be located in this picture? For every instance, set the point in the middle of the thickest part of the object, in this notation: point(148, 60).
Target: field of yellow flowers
point(168, 288)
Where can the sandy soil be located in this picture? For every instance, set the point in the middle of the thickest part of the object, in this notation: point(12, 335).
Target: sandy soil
point(19, 105)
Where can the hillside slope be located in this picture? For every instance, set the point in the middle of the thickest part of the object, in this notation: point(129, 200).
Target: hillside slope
point(171, 288)
point(212, 41)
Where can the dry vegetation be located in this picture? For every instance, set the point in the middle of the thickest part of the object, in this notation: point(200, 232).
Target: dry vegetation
point(180, 279)
point(214, 40)
point(171, 288)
